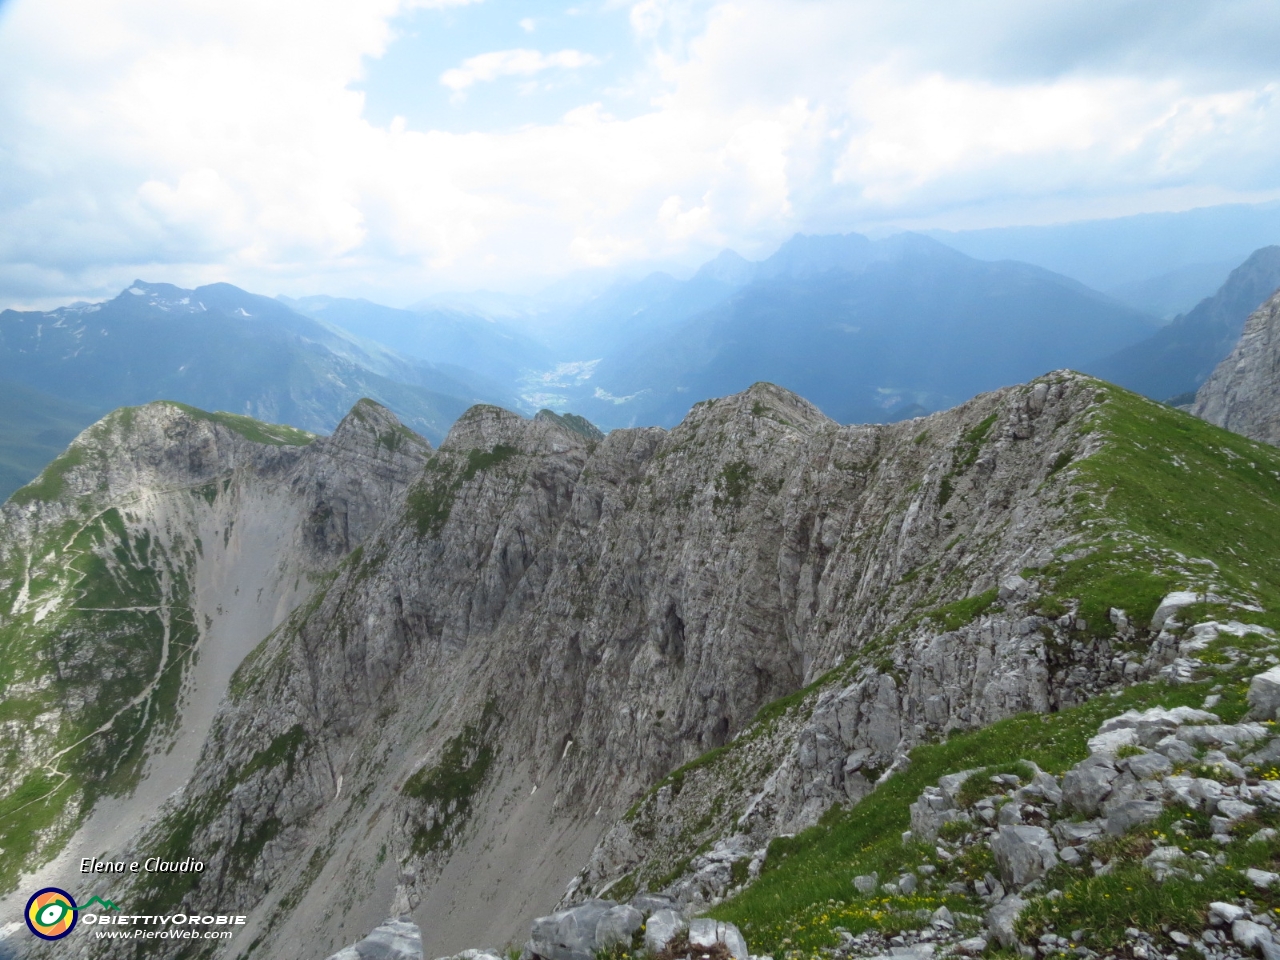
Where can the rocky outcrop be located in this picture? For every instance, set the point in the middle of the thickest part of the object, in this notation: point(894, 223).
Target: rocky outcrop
point(553, 622)
point(141, 568)
point(396, 939)
point(1243, 393)
point(643, 652)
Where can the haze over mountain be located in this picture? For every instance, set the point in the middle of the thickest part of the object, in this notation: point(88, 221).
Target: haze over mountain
point(1178, 358)
point(868, 330)
point(476, 341)
point(221, 348)
point(1115, 253)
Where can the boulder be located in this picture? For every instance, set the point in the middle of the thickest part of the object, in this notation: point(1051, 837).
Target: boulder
point(1235, 809)
point(617, 926)
point(569, 934)
point(1148, 765)
point(1001, 918)
point(866, 884)
point(1266, 756)
point(1175, 749)
point(705, 932)
point(934, 808)
point(1131, 813)
point(1250, 935)
point(1228, 735)
point(1087, 784)
point(1171, 604)
point(661, 928)
point(394, 939)
point(1023, 853)
point(1262, 879)
point(651, 903)
point(1224, 914)
point(1264, 695)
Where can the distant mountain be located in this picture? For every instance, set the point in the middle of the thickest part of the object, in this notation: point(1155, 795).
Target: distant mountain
point(446, 337)
point(869, 330)
point(1175, 292)
point(34, 428)
point(220, 348)
point(1179, 357)
point(1109, 253)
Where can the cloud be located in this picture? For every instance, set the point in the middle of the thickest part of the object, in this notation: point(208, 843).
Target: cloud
point(512, 63)
point(194, 140)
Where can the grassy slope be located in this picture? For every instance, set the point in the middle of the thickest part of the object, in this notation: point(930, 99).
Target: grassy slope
point(1166, 491)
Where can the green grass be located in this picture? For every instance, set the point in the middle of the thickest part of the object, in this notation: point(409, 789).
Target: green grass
point(449, 786)
point(953, 616)
point(733, 483)
point(51, 483)
point(805, 874)
point(275, 434)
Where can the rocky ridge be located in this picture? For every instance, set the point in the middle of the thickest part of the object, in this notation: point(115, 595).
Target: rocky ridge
point(1243, 392)
point(135, 574)
point(553, 623)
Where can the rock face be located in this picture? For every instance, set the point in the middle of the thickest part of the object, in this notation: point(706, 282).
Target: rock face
point(142, 567)
point(396, 939)
point(1242, 393)
point(552, 622)
point(489, 691)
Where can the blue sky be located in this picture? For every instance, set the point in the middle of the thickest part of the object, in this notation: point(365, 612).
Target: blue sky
point(395, 148)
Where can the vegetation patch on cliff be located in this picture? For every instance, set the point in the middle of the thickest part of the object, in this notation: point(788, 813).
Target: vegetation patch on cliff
point(445, 790)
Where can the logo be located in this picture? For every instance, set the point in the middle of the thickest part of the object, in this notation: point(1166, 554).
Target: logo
point(51, 913)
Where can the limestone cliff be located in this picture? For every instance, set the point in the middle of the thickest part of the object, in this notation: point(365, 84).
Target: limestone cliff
point(135, 574)
point(565, 662)
point(553, 623)
point(1243, 393)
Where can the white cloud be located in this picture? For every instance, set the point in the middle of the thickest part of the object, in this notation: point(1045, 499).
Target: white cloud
point(512, 63)
point(224, 139)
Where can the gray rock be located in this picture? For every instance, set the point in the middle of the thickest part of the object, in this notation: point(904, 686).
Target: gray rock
point(661, 927)
point(394, 939)
point(617, 926)
point(704, 932)
point(1023, 854)
point(1175, 749)
point(907, 884)
point(1148, 765)
point(1001, 919)
point(934, 808)
point(1087, 784)
point(651, 903)
point(971, 947)
point(1171, 604)
point(1262, 879)
point(1235, 809)
point(1249, 935)
point(866, 884)
point(1226, 735)
point(1132, 813)
point(1224, 914)
point(1240, 394)
point(1068, 831)
point(1264, 695)
point(569, 934)
point(1013, 588)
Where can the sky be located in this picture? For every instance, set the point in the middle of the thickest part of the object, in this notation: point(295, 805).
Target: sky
point(397, 148)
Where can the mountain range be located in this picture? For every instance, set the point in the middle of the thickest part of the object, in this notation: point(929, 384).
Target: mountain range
point(868, 330)
point(871, 331)
point(357, 677)
point(1174, 361)
point(220, 348)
